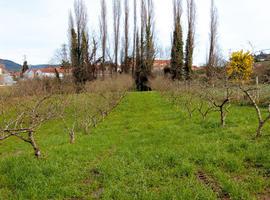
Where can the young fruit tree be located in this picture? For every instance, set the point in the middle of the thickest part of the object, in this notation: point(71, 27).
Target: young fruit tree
point(204, 108)
point(261, 121)
point(21, 118)
point(219, 97)
point(190, 105)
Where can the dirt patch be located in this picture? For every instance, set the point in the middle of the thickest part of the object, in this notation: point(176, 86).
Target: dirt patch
point(95, 174)
point(265, 195)
point(97, 193)
point(213, 184)
point(75, 198)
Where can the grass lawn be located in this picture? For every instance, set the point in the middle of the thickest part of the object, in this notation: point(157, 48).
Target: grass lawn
point(145, 149)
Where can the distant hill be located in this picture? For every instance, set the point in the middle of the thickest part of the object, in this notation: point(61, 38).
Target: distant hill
point(42, 66)
point(10, 65)
point(15, 67)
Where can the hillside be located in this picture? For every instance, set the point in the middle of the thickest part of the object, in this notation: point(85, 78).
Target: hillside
point(10, 65)
point(13, 66)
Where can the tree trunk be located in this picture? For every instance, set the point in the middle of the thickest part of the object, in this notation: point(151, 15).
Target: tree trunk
point(259, 130)
point(34, 144)
point(222, 117)
point(72, 137)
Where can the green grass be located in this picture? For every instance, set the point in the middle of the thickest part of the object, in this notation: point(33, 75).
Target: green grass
point(146, 149)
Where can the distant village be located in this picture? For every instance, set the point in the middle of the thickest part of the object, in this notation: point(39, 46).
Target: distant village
point(9, 78)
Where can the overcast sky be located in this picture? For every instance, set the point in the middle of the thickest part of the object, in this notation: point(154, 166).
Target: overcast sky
point(36, 28)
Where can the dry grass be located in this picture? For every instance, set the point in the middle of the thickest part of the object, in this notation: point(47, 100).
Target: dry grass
point(217, 89)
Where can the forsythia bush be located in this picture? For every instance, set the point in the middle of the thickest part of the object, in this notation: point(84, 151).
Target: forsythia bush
point(240, 67)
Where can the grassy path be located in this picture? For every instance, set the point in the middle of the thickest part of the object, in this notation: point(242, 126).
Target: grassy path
point(145, 149)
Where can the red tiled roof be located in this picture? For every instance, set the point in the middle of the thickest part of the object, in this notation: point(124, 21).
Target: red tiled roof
point(51, 70)
point(161, 62)
point(47, 70)
point(15, 74)
point(195, 68)
point(64, 70)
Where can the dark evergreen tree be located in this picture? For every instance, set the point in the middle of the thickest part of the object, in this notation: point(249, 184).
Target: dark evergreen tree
point(188, 56)
point(24, 67)
point(190, 39)
point(177, 54)
point(149, 47)
point(79, 45)
point(145, 61)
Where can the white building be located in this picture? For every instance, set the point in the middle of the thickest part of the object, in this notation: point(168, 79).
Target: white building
point(49, 72)
point(5, 78)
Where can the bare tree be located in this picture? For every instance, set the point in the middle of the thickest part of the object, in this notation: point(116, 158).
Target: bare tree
point(261, 120)
point(221, 104)
point(26, 116)
point(189, 104)
point(70, 113)
point(126, 38)
point(134, 36)
point(116, 29)
point(103, 31)
point(143, 25)
point(212, 57)
point(93, 61)
point(205, 108)
point(191, 14)
point(61, 56)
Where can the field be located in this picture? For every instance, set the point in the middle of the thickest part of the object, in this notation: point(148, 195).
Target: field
point(147, 148)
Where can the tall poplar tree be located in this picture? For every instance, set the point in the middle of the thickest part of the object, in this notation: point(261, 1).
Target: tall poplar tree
point(79, 43)
point(177, 54)
point(147, 48)
point(212, 57)
point(189, 50)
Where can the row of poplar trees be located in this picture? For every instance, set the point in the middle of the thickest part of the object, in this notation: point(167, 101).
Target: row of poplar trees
point(83, 60)
point(181, 61)
point(142, 59)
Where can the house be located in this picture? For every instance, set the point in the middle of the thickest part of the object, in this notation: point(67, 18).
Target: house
point(48, 72)
point(5, 78)
point(263, 56)
point(16, 75)
point(196, 68)
point(160, 65)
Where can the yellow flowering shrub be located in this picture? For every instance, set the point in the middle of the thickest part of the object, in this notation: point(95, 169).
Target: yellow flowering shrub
point(240, 67)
